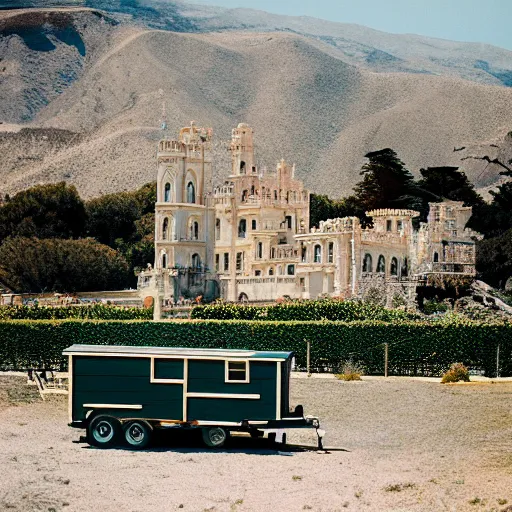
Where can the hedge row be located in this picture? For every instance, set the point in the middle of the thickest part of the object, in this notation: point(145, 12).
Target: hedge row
point(93, 312)
point(304, 310)
point(414, 347)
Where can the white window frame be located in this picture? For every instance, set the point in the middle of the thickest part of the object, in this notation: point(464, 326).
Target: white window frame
point(226, 371)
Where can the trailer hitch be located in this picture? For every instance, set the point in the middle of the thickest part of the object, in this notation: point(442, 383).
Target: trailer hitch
point(320, 433)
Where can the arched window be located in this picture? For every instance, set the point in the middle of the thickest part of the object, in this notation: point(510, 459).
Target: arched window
point(217, 229)
point(318, 254)
point(271, 271)
point(253, 224)
point(191, 192)
point(195, 227)
point(167, 193)
point(330, 254)
point(381, 264)
point(304, 254)
point(245, 194)
point(164, 260)
point(242, 228)
point(242, 167)
point(272, 253)
point(196, 261)
point(367, 263)
point(393, 269)
point(165, 229)
point(436, 257)
point(259, 253)
point(252, 190)
point(405, 268)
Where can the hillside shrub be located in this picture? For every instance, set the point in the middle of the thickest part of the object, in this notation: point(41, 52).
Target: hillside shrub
point(415, 348)
point(457, 372)
point(303, 310)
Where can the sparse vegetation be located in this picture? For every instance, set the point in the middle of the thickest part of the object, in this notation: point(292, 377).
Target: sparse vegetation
point(399, 487)
point(350, 371)
point(457, 372)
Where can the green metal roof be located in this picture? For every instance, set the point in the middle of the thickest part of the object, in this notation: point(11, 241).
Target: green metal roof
point(201, 353)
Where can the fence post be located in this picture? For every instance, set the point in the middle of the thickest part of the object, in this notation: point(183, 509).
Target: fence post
point(308, 357)
point(386, 358)
point(498, 361)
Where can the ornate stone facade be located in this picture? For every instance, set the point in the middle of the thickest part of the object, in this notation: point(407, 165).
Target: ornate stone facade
point(257, 215)
point(184, 217)
point(249, 239)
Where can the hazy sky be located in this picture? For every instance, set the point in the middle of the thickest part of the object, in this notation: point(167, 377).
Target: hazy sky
point(487, 21)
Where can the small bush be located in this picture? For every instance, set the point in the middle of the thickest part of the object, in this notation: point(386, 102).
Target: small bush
point(350, 371)
point(431, 307)
point(456, 373)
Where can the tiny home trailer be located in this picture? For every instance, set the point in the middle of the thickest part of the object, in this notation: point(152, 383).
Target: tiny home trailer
point(121, 394)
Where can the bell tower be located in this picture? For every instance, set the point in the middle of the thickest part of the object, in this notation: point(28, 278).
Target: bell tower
point(242, 151)
point(184, 217)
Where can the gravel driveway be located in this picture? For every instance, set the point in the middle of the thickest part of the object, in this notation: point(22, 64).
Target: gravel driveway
point(396, 445)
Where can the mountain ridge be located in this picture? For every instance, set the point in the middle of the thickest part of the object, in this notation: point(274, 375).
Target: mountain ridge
point(306, 102)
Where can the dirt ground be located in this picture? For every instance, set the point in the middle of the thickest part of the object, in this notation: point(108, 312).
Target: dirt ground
point(396, 445)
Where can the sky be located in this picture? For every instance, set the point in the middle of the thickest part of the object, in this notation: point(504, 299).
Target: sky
point(485, 21)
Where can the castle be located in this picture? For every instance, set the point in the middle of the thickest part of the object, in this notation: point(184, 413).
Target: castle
point(249, 239)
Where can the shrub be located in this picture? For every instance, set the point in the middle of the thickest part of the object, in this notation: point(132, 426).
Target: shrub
point(350, 371)
point(93, 312)
point(456, 373)
point(431, 307)
point(302, 310)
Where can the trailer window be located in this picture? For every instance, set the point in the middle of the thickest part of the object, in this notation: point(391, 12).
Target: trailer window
point(237, 371)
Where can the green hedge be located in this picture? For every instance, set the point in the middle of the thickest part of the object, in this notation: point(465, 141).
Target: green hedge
point(304, 310)
point(93, 312)
point(414, 347)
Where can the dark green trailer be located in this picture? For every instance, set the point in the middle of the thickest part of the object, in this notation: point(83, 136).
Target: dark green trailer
point(120, 392)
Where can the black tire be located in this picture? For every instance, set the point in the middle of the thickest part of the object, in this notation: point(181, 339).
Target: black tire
point(104, 432)
point(137, 434)
point(214, 437)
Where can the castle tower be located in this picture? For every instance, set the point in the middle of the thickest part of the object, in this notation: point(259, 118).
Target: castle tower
point(184, 218)
point(242, 151)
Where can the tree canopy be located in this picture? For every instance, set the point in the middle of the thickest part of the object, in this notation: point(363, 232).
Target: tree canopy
point(64, 265)
point(43, 211)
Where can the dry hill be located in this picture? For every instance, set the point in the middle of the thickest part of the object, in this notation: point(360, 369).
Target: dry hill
point(91, 86)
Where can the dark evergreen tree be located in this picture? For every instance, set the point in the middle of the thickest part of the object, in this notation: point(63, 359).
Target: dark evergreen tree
point(112, 216)
point(494, 259)
point(34, 265)
point(43, 211)
point(386, 184)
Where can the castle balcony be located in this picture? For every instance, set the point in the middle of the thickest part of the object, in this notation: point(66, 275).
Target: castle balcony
point(383, 277)
point(452, 268)
point(382, 238)
point(265, 280)
point(170, 146)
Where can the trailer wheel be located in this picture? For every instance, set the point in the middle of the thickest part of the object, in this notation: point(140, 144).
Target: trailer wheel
point(103, 431)
point(214, 437)
point(137, 434)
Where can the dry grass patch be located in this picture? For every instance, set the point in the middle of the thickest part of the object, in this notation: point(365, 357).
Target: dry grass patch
point(457, 372)
point(399, 487)
point(350, 371)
